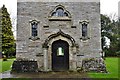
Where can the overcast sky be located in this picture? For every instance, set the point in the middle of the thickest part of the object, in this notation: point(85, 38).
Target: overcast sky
point(108, 7)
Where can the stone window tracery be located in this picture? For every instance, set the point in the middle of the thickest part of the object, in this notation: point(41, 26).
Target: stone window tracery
point(59, 13)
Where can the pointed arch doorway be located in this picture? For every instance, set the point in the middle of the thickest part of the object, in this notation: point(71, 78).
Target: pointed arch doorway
point(59, 43)
point(60, 55)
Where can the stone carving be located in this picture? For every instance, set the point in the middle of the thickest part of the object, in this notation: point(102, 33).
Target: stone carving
point(60, 11)
point(57, 34)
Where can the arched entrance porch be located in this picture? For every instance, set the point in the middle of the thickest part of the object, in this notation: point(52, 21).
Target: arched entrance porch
point(56, 42)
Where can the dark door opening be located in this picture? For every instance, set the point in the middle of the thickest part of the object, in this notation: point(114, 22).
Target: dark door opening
point(60, 56)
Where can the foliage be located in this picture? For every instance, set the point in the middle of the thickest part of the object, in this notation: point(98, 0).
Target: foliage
point(112, 68)
point(8, 42)
point(110, 29)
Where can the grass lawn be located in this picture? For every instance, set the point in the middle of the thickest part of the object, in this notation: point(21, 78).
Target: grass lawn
point(6, 65)
point(112, 68)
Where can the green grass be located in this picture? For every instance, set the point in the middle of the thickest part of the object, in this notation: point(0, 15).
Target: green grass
point(112, 68)
point(6, 65)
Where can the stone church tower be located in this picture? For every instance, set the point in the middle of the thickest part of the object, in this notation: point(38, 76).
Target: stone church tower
point(58, 35)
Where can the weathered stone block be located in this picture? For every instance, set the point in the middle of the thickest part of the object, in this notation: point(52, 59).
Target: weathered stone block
point(25, 66)
point(93, 64)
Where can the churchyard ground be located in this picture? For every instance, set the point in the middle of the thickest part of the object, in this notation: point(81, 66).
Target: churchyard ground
point(112, 68)
point(111, 65)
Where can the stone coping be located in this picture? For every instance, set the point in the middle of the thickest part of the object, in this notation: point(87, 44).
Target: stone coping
point(58, 0)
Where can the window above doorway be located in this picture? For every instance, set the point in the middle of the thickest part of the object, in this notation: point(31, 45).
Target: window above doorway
point(59, 13)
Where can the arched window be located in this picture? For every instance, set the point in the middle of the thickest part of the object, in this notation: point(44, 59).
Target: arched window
point(84, 29)
point(34, 28)
point(60, 12)
point(84, 25)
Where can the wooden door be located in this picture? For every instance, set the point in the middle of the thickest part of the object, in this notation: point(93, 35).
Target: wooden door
point(60, 56)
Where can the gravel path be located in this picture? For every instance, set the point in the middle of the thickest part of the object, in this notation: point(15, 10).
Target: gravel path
point(44, 75)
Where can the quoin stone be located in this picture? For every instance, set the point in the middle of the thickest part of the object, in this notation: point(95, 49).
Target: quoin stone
point(58, 35)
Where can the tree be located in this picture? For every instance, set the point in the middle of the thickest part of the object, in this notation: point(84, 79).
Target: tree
point(8, 42)
point(115, 40)
point(110, 29)
point(105, 29)
point(0, 34)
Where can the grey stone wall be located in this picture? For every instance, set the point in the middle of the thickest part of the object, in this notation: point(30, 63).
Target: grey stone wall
point(40, 11)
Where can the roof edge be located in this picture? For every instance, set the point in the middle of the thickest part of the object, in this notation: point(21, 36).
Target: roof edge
point(58, 0)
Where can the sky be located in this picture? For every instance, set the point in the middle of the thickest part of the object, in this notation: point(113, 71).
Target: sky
point(119, 10)
point(107, 7)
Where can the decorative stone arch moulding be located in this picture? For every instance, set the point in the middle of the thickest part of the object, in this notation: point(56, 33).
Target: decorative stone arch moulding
point(47, 49)
point(84, 21)
point(62, 7)
point(65, 12)
point(32, 21)
point(60, 33)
